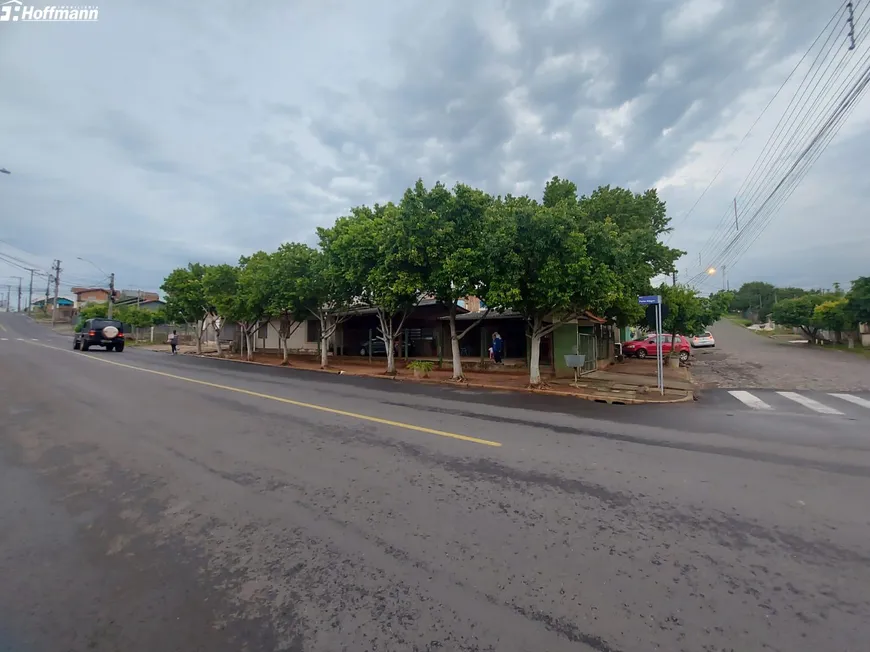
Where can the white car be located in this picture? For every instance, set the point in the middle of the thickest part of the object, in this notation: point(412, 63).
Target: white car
point(700, 341)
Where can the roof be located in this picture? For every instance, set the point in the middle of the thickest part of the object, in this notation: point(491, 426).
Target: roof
point(368, 310)
point(512, 314)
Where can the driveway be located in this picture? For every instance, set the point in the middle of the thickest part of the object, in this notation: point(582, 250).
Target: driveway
point(743, 359)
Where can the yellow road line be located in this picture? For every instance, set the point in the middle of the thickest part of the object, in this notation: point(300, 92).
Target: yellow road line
point(310, 406)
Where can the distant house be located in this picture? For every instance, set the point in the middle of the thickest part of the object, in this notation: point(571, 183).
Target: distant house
point(84, 296)
point(144, 304)
point(61, 303)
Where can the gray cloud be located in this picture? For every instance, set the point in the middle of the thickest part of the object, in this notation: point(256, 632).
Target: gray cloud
point(197, 132)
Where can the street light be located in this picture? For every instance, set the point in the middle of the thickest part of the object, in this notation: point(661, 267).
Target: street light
point(90, 262)
point(711, 271)
point(4, 171)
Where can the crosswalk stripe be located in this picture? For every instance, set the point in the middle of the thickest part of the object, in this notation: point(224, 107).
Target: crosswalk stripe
point(857, 400)
point(750, 399)
point(807, 402)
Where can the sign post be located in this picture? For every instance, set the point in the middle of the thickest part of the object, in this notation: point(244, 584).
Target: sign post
point(656, 300)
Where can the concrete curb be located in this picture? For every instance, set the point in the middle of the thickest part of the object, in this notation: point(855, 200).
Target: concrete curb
point(611, 400)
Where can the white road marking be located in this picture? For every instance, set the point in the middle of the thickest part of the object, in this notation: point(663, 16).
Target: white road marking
point(807, 402)
point(857, 400)
point(34, 339)
point(750, 399)
point(5, 339)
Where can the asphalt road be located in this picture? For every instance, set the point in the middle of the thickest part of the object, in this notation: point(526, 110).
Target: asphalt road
point(153, 502)
point(743, 359)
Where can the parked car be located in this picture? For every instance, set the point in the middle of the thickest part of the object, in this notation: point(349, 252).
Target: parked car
point(647, 347)
point(700, 341)
point(379, 348)
point(100, 332)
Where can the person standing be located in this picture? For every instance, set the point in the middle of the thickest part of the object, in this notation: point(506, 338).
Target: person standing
point(497, 347)
point(173, 342)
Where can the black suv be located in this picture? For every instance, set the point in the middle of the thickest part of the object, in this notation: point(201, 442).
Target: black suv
point(100, 332)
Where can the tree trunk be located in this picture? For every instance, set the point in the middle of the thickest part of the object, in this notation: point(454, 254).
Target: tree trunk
point(454, 345)
point(250, 339)
point(285, 351)
point(324, 343)
point(850, 338)
point(391, 356)
point(535, 360)
point(200, 330)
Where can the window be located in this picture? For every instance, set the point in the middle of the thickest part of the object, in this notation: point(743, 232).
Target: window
point(313, 327)
point(461, 303)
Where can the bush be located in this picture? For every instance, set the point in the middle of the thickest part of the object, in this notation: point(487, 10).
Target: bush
point(421, 366)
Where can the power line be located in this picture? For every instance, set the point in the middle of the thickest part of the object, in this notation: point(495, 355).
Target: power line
point(771, 152)
point(757, 120)
point(824, 128)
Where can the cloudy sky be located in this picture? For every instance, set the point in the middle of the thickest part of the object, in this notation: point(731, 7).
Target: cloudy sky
point(167, 131)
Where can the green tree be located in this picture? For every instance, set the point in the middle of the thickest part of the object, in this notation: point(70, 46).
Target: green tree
point(544, 267)
point(799, 313)
point(186, 300)
point(306, 284)
point(288, 295)
point(640, 254)
point(370, 252)
point(91, 311)
point(833, 316)
point(135, 316)
point(445, 236)
point(220, 288)
point(858, 300)
point(252, 301)
point(688, 313)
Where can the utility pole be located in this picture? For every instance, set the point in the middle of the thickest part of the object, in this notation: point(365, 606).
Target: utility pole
point(30, 294)
point(724, 277)
point(19, 294)
point(56, 290)
point(8, 296)
point(111, 294)
point(674, 277)
point(47, 289)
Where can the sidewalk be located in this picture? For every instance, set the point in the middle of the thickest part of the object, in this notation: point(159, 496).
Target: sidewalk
point(605, 386)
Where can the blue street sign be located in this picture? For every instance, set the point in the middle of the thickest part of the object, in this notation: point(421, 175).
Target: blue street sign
point(649, 300)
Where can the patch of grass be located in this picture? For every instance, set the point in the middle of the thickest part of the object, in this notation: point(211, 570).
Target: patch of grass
point(739, 319)
point(858, 350)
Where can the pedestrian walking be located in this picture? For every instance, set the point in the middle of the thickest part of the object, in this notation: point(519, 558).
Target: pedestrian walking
point(173, 342)
point(497, 347)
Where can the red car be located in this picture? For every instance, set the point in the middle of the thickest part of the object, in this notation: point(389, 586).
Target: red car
point(647, 347)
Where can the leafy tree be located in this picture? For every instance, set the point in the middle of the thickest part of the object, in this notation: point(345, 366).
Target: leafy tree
point(288, 296)
point(799, 313)
point(544, 267)
point(186, 300)
point(253, 297)
point(833, 316)
point(688, 313)
point(220, 287)
point(370, 253)
point(445, 234)
point(858, 300)
point(639, 254)
point(135, 316)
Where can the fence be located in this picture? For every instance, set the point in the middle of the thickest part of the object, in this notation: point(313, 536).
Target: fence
point(160, 334)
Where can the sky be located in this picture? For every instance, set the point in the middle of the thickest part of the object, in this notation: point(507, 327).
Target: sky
point(169, 132)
